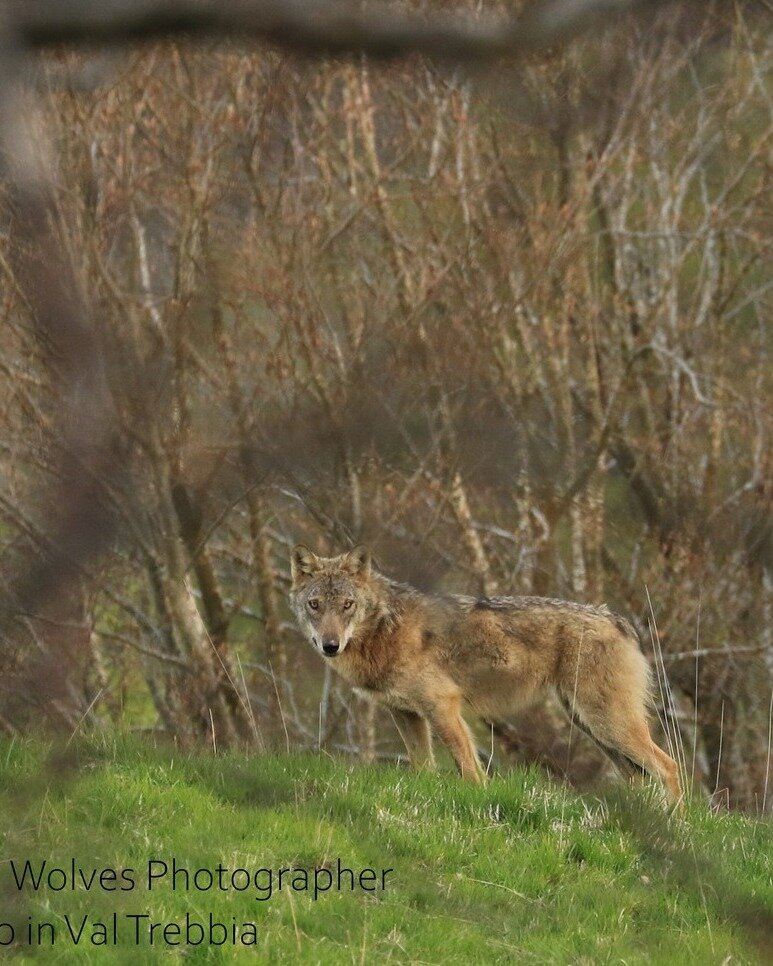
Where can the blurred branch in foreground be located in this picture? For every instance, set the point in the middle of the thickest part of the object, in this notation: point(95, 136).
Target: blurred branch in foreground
point(79, 525)
point(379, 30)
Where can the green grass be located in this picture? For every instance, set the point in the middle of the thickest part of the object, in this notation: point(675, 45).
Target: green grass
point(522, 871)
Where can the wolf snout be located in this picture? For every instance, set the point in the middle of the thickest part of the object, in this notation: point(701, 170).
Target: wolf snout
point(330, 646)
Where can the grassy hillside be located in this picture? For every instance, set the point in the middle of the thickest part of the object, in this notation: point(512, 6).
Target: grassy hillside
point(522, 871)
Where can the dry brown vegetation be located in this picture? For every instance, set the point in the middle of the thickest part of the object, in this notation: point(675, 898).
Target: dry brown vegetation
point(511, 328)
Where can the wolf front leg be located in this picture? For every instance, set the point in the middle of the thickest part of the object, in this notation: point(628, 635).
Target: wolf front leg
point(414, 730)
point(452, 730)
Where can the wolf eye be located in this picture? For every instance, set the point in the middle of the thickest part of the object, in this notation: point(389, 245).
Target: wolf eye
point(348, 604)
point(314, 604)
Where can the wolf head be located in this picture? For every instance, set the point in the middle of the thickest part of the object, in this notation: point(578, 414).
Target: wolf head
point(330, 596)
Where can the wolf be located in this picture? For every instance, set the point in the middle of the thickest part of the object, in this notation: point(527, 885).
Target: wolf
point(429, 657)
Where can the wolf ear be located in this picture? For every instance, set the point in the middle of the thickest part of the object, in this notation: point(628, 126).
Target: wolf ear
point(302, 563)
point(357, 561)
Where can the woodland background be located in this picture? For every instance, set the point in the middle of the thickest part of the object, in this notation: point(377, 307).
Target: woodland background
point(510, 326)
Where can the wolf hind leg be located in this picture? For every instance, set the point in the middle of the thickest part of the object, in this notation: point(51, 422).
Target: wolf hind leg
point(417, 738)
point(624, 731)
point(627, 767)
point(635, 742)
point(453, 731)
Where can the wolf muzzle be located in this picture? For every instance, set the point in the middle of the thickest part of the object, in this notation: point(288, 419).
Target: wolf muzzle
point(330, 646)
